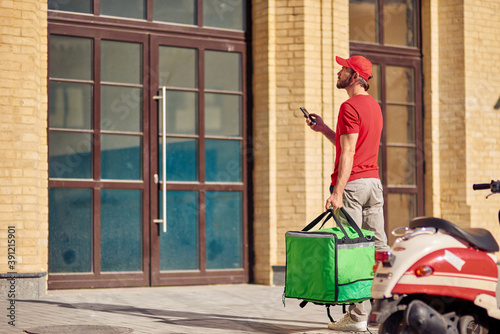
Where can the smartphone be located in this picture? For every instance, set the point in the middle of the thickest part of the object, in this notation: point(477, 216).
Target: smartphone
point(306, 114)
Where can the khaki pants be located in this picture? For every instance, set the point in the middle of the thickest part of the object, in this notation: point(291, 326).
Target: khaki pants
point(364, 202)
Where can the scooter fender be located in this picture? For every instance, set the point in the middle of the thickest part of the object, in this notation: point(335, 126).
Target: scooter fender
point(408, 251)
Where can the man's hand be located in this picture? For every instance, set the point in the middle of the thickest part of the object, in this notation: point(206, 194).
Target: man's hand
point(318, 126)
point(334, 201)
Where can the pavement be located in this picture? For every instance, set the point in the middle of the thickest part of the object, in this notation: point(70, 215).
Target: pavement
point(221, 309)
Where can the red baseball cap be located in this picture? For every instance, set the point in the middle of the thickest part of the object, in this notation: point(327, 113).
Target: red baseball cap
point(359, 64)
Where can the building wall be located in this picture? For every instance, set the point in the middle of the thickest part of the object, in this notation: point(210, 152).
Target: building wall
point(294, 43)
point(462, 141)
point(23, 144)
point(482, 109)
point(295, 52)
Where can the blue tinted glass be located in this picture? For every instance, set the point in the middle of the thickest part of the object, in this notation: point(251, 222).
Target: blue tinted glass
point(182, 159)
point(80, 6)
point(179, 246)
point(175, 11)
point(223, 115)
point(70, 105)
point(223, 71)
point(121, 108)
point(121, 62)
point(70, 57)
point(121, 157)
point(123, 8)
point(70, 155)
point(224, 229)
point(223, 160)
point(227, 14)
point(70, 230)
point(121, 230)
point(182, 113)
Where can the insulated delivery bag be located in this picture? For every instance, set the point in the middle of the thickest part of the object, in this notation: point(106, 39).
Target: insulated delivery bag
point(332, 265)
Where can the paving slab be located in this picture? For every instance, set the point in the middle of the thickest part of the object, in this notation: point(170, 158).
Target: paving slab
point(221, 309)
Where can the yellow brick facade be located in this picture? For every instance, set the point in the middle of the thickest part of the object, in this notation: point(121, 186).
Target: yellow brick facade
point(23, 137)
point(461, 126)
point(293, 48)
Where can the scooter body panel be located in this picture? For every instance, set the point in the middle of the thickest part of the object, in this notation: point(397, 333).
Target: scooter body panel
point(457, 272)
point(408, 251)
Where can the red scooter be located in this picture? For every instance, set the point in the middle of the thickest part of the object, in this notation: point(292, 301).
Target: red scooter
point(437, 278)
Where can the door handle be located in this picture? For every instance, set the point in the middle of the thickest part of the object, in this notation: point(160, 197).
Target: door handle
point(163, 98)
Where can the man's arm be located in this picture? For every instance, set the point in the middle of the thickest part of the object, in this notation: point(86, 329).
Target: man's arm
point(320, 126)
point(346, 159)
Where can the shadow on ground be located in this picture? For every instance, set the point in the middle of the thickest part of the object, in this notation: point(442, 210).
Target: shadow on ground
point(197, 320)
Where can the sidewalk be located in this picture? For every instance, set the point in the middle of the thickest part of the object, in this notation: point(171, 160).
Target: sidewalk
point(241, 308)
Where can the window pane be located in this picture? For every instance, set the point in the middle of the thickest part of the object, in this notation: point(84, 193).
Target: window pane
point(121, 62)
point(400, 84)
point(224, 229)
point(223, 114)
point(223, 71)
point(401, 208)
point(70, 57)
point(363, 23)
point(179, 247)
point(375, 83)
point(70, 230)
point(175, 11)
point(123, 8)
point(121, 230)
point(401, 166)
point(80, 6)
point(121, 108)
point(400, 124)
point(178, 67)
point(228, 14)
point(70, 155)
point(121, 157)
point(182, 113)
point(182, 162)
point(223, 160)
point(70, 105)
point(399, 22)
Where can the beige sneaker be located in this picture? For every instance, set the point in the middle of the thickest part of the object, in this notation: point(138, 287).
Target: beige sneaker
point(347, 324)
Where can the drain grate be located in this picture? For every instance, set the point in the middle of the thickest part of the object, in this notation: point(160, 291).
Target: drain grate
point(78, 329)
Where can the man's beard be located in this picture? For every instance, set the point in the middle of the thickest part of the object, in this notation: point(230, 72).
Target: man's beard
point(343, 84)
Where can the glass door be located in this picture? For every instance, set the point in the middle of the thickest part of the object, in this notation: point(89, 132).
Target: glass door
point(97, 166)
point(198, 164)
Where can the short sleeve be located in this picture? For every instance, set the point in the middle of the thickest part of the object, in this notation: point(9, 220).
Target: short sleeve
point(348, 121)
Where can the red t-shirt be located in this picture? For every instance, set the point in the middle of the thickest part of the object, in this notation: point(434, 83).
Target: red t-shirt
point(360, 114)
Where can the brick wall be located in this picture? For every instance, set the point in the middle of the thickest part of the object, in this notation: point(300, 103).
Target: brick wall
point(293, 49)
point(462, 140)
point(482, 120)
point(23, 134)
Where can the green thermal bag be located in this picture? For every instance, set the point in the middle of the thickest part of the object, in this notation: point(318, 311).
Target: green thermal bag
point(332, 265)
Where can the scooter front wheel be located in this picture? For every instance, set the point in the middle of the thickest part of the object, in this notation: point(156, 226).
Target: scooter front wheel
point(394, 324)
point(467, 324)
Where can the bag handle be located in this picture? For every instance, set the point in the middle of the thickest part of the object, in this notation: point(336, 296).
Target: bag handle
point(350, 221)
point(317, 220)
point(331, 214)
